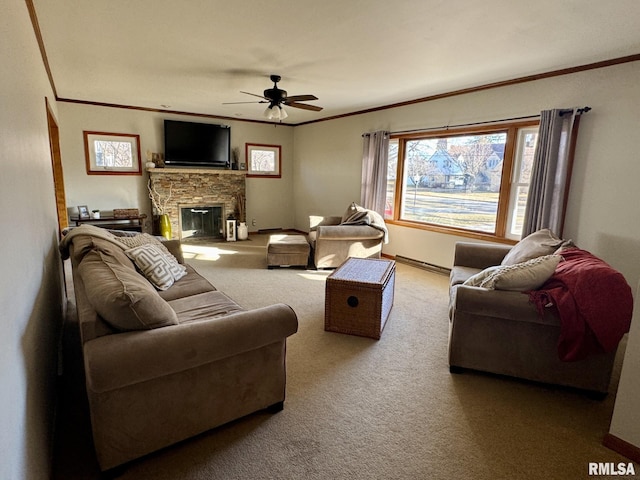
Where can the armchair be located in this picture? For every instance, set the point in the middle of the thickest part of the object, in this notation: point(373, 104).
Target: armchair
point(332, 243)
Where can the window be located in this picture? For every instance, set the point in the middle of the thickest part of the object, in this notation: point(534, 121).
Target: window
point(112, 153)
point(469, 182)
point(263, 160)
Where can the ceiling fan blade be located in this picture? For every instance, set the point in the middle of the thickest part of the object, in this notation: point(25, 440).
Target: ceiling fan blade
point(300, 98)
point(254, 95)
point(304, 106)
point(237, 103)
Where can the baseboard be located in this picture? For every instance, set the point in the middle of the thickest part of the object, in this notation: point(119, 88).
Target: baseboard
point(622, 447)
point(424, 265)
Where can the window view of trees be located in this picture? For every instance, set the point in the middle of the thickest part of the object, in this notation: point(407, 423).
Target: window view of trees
point(263, 161)
point(113, 154)
point(456, 180)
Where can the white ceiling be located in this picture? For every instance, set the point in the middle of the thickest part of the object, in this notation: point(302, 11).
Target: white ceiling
point(193, 55)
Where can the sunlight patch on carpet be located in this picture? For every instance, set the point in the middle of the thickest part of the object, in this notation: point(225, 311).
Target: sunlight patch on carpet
point(201, 252)
point(322, 276)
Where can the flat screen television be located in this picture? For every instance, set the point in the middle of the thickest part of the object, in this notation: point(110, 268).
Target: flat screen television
point(191, 144)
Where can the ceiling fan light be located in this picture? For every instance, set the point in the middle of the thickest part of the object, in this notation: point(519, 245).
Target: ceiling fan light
point(283, 113)
point(268, 112)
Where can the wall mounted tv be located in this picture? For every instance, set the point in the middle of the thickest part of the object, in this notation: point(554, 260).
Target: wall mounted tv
point(192, 144)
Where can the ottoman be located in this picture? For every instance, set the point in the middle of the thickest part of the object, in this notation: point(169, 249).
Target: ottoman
point(287, 250)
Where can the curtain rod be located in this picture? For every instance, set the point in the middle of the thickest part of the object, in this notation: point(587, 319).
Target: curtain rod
point(578, 111)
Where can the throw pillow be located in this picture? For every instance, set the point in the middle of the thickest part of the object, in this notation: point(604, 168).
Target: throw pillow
point(140, 239)
point(351, 210)
point(157, 264)
point(542, 242)
point(521, 277)
point(121, 296)
point(477, 279)
point(355, 215)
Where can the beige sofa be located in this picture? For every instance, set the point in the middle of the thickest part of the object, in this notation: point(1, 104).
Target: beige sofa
point(162, 366)
point(502, 332)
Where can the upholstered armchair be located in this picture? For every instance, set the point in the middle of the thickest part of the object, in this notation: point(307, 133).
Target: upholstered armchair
point(333, 242)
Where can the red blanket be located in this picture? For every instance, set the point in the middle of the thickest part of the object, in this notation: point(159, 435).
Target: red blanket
point(594, 303)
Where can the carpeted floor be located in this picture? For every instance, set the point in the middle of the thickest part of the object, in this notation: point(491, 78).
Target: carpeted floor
point(358, 408)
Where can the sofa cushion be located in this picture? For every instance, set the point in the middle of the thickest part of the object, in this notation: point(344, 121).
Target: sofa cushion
point(520, 277)
point(157, 264)
point(121, 296)
point(203, 306)
point(537, 244)
point(191, 284)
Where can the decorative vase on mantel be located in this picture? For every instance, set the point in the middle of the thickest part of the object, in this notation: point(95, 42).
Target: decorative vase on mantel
point(243, 231)
point(165, 226)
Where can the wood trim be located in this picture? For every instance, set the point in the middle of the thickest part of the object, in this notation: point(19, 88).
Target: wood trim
point(38, 33)
point(622, 447)
point(489, 86)
point(462, 91)
point(489, 126)
point(278, 148)
point(397, 194)
point(173, 112)
point(56, 166)
point(87, 154)
point(505, 182)
point(515, 81)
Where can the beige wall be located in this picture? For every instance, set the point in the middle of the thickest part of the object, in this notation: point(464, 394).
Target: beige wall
point(601, 215)
point(625, 423)
point(269, 200)
point(30, 284)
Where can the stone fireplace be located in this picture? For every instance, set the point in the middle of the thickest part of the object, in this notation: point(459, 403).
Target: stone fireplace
point(194, 191)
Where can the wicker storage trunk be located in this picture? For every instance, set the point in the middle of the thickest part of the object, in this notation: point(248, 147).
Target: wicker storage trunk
point(359, 297)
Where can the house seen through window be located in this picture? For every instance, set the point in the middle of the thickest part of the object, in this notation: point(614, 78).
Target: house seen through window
point(474, 181)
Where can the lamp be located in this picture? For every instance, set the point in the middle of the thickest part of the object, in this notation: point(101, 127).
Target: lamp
point(275, 112)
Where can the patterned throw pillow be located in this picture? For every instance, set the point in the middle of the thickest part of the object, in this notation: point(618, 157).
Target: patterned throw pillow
point(139, 239)
point(157, 265)
point(520, 277)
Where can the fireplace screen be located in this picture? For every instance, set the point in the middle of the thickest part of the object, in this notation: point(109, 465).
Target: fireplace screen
point(201, 222)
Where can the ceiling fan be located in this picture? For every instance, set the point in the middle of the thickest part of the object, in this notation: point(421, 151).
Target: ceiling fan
point(277, 97)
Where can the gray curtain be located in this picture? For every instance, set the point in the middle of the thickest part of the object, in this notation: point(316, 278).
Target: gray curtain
point(551, 171)
point(374, 171)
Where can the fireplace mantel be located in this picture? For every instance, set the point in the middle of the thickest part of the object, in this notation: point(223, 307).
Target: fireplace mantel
point(200, 171)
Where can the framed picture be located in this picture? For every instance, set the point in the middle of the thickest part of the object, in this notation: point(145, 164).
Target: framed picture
point(83, 212)
point(263, 160)
point(112, 153)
